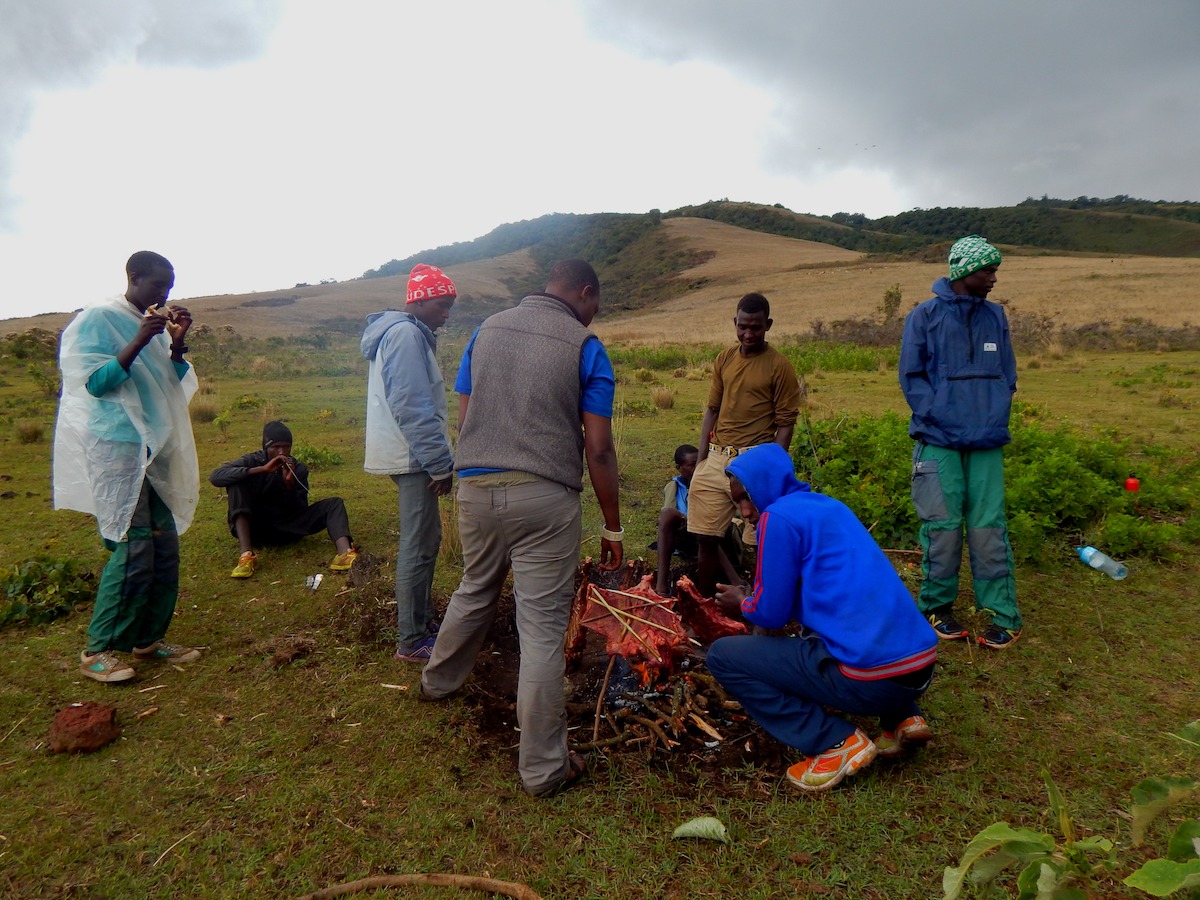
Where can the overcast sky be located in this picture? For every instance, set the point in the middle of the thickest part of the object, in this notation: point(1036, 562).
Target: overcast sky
point(259, 143)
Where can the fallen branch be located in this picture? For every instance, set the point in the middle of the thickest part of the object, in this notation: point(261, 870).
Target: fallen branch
point(466, 882)
point(658, 732)
point(705, 727)
point(622, 738)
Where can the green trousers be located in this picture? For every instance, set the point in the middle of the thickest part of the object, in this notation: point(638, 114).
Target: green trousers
point(951, 488)
point(140, 583)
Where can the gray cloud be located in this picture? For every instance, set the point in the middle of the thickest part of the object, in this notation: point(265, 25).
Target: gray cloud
point(964, 103)
point(55, 44)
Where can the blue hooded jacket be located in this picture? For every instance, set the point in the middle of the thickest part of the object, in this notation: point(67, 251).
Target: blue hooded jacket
point(958, 371)
point(819, 566)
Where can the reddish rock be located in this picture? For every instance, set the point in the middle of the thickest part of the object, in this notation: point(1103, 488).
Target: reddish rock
point(84, 727)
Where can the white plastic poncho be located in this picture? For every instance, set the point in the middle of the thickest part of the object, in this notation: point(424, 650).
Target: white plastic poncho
point(104, 447)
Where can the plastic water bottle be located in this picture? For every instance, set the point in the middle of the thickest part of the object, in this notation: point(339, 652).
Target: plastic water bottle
point(1103, 562)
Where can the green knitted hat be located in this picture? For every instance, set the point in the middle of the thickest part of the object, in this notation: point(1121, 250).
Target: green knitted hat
point(970, 254)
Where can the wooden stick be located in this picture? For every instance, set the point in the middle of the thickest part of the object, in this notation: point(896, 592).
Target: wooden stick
point(622, 738)
point(612, 661)
point(624, 612)
point(705, 727)
point(644, 601)
point(653, 726)
point(626, 626)
point(467, 882)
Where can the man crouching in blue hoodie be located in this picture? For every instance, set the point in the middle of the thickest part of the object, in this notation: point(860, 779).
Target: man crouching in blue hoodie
point(865, 648)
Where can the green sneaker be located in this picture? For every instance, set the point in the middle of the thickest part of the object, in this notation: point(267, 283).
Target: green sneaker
point(166, 652)
point(104, 667)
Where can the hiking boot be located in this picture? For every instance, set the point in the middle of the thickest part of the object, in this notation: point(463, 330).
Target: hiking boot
point(947, 627)
point(245, 565)
point(823, 771)
point(344, 561)
point(997, 638)
point(418, 652)
point(105, 667)
point(912, 733)
point(162, 651)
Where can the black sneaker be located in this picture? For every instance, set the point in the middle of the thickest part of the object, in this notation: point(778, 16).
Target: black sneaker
point(997, 638)
point(947, 627)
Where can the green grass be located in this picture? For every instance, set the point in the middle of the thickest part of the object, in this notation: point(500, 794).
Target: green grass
point(248, 780)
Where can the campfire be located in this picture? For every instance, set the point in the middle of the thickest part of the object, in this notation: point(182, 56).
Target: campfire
point(661, 697)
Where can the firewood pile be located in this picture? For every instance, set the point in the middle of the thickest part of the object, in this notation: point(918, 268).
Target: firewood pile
point(655, 692)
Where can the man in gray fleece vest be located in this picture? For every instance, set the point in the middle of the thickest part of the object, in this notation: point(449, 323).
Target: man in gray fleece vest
point(535, 397)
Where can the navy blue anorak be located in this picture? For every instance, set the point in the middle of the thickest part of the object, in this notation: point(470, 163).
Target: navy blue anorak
point(958, 371)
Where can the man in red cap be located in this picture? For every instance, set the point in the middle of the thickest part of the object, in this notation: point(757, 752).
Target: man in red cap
point(408, 438)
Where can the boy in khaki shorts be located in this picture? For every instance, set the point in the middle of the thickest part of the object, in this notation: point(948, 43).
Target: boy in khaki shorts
point(754, 399)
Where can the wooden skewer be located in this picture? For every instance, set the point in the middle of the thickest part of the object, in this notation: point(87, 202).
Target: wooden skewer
point(624, 612)
point(617, 614)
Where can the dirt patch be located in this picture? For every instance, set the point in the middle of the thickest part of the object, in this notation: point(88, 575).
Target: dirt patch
point(283, 649)
point(365, 610)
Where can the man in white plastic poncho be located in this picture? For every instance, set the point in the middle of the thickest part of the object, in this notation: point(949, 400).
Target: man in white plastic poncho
point(124, 452)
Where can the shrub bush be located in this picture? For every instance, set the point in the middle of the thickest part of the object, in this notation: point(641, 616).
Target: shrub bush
point(30, 432)
point(811, 356)
point(41, 590)
point(1062, 489)
point(317, 457)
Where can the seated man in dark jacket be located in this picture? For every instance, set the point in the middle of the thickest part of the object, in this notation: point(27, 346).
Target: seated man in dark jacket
point(865, 648)
point(268, 502)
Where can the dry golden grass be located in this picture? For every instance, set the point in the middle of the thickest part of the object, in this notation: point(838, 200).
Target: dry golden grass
point(1075, 290)
point(739, 251)
point(663, 397)
point(30, 432)
point(203, 411)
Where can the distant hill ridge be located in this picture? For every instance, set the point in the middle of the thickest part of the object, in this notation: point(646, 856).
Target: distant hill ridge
point(1118, 224)
point(639, 260)
point(652, 259)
